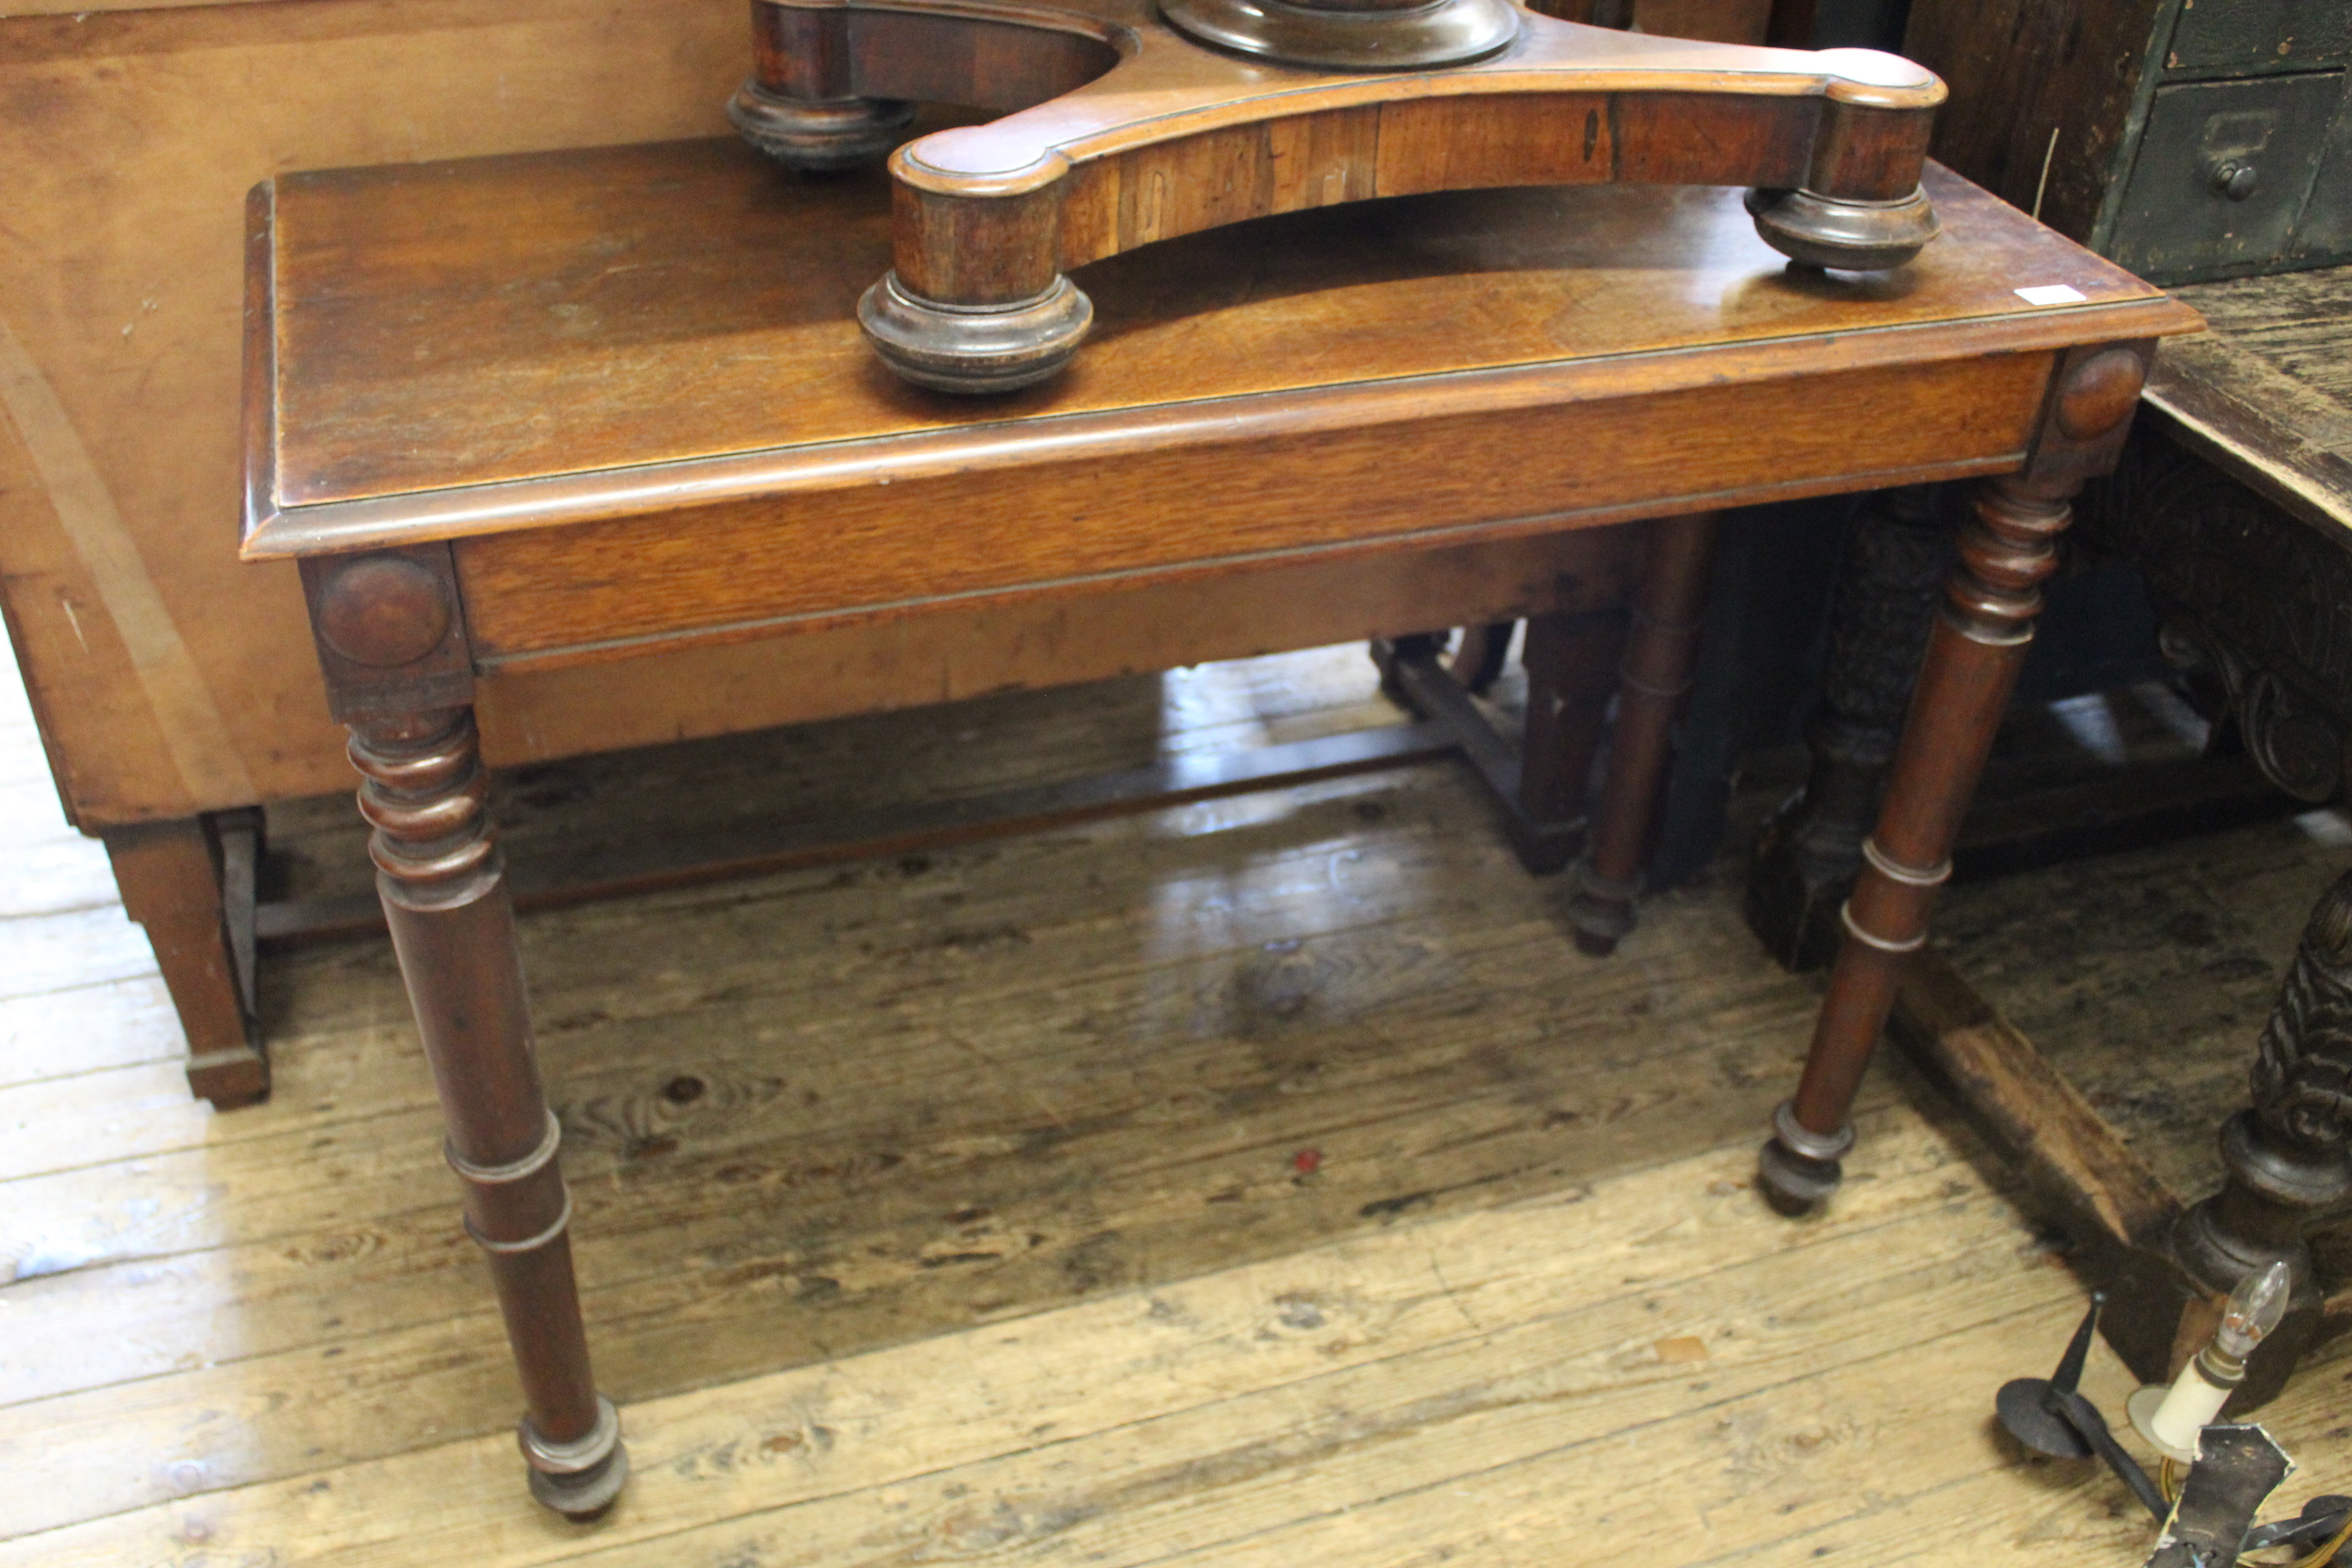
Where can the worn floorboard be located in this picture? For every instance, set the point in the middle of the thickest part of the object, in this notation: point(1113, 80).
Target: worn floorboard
point(1261, 1180)
point(2146, 977)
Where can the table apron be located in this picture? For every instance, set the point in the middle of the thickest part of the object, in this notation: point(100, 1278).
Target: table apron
point(747, 569)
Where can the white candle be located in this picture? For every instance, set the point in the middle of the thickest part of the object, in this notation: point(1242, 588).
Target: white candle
point(2191, 1402)
point(2195, 1397)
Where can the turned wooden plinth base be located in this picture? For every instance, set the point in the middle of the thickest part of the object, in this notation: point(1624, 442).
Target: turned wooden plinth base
point(1124, 124)
point(582, 1478)
point(1368, 35)
point(819, 137)
point(975, 348)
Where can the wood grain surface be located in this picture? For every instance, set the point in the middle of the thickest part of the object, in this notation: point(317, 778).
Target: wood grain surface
point(120, 273)
point(2297, 322)
point(2042, 91)
point(477, 325)
point(707, 689)
point(604, 590)
point(1166, 84)
point(1966, 1044)
point(2266, 396)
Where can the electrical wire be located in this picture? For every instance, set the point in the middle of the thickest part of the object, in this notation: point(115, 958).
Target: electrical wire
point(2168, 1478)
point(2328, 1552)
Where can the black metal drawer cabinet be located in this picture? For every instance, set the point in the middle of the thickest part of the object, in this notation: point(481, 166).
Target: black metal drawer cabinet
point(2186, 139)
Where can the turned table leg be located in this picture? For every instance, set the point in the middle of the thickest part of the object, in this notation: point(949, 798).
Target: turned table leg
point(1572, 660)
point(1975, 649)
point(1652, 689)
point(445, 898)
point(1974, 652)
point(399, 674)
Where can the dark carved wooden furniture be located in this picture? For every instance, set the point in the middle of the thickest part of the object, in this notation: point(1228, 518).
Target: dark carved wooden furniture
point(1127, 125)
point(569, 412)
point(2234, 499)
point(1809, 852)
point(2186, 140)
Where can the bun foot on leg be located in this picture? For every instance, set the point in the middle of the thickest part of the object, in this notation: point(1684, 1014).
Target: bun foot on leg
point(1799, 1168)
point(579, 1479)
point(975, 349)
point(1832, 231)
point(1601, 913)
point(819, 136)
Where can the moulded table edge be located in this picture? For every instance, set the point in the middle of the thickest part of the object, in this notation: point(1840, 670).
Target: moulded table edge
point(644, 490)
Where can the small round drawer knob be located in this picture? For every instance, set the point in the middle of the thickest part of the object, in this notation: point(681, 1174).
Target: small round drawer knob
point(2235, 180)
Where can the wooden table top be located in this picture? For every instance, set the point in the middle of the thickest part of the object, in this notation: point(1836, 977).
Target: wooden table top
point(463, 349)
point(2266, 395)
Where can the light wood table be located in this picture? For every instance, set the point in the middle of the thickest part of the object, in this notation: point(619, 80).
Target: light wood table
point(538, 413)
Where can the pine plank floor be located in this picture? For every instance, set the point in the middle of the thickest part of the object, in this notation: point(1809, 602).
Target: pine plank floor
point(1266, 1181)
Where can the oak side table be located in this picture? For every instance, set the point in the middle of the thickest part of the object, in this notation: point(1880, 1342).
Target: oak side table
point(542, 410)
